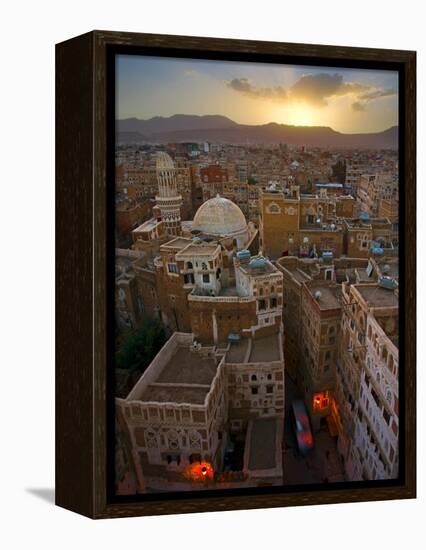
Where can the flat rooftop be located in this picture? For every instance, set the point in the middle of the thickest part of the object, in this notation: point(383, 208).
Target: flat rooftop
point(265, 349)
point(262, 444)
point(237, 351)
point(228, 291)
point(177, 244)
point(363, 275)
point(377, 296)
point(392, 268)
point(175, 394)
point(149, 225)
point(344, 274)
point(185, 378)
point(299, 275)
point(199, 249)
point(188, 367)
point(329, 295)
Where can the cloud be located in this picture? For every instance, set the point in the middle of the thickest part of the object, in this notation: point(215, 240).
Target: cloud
point(245, 86)
point(358, 106)
point(371, 95)
point(315, 89)
point(376, 94)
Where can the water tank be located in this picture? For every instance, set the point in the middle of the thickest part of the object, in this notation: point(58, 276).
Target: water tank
point(387, 282)
point(327, 255)
point(257, 263)
point(244, 255)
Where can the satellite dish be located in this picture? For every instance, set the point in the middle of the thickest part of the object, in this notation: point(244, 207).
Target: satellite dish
point(317, 295)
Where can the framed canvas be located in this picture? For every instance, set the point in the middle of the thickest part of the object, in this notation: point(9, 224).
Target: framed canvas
point(235, 281)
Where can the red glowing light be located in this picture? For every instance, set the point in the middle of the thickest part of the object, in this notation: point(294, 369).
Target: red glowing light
point(308, 438)
point(199, 471)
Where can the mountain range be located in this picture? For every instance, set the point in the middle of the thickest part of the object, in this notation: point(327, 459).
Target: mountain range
point(220, 129)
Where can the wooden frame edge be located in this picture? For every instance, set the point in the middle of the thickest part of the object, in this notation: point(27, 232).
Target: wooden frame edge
point(93, 503)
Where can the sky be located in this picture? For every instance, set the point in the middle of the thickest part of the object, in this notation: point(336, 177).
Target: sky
point(347, 100)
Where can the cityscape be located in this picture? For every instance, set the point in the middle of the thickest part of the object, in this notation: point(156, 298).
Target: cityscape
point(256, 275)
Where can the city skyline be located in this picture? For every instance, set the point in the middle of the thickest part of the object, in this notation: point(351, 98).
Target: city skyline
point(257, 316)
point(347, 100)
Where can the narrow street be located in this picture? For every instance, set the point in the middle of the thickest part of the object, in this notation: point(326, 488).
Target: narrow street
point(322, 465)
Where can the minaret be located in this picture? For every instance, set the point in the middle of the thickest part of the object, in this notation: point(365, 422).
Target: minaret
point(168, 199)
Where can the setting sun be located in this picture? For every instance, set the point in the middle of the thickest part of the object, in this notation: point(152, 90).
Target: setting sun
point(296, 114)
point(301, 115)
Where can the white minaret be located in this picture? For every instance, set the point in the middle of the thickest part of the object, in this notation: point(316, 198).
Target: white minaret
point(168, 199)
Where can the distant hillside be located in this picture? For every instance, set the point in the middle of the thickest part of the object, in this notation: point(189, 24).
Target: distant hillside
point(174, 123)
point(221, 129)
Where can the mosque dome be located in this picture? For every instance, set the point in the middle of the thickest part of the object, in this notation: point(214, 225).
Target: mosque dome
point(219, 217)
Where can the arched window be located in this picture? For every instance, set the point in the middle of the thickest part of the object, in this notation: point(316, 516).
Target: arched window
point(274, 208)
point(253, 378)
point(173, 439)
point(369, 332)
point(194, 439)
point(189, 265)
point(151, 439)
point(390, 363)
point(384, 354)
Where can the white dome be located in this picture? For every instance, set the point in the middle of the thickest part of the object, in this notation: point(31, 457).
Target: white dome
point(163, 161)
point(220, 217)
